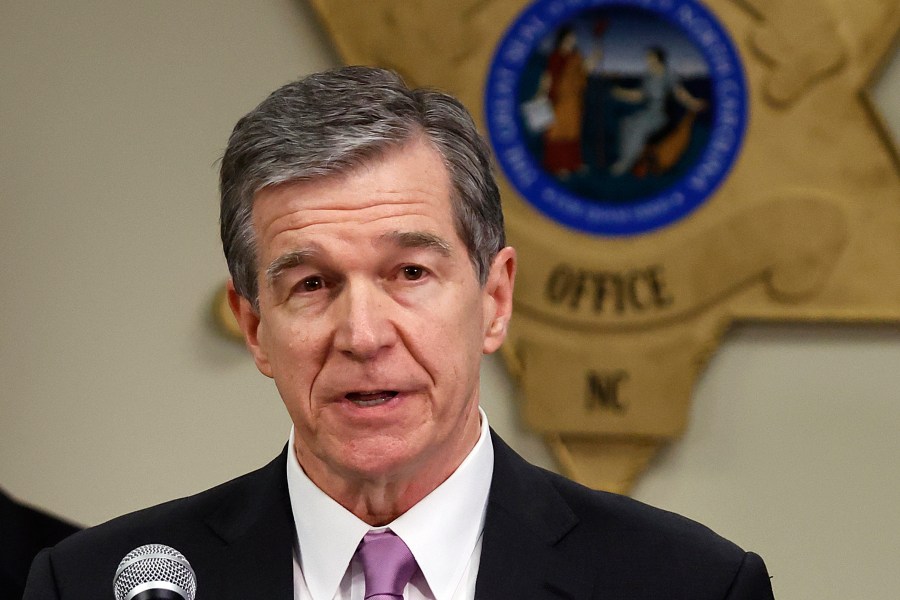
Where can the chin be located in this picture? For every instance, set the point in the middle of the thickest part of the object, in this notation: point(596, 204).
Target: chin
point(380, 457)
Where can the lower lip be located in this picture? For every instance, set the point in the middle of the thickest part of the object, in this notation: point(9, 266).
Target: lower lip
point(369, 416)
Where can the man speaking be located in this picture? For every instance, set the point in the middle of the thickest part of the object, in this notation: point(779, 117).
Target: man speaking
point(369, 274)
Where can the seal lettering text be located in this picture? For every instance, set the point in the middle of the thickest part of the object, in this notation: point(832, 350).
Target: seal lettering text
point(603, 389)
point(630, 291)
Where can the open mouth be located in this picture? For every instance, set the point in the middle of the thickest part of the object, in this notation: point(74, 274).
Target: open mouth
point(366, 399)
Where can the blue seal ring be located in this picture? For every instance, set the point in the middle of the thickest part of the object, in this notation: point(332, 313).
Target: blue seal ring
point(603, 213)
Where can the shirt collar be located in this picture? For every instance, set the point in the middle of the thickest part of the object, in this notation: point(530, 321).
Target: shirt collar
point(441, 530)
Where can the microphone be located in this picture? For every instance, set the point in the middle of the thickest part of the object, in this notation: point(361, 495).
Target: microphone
point(155, 572)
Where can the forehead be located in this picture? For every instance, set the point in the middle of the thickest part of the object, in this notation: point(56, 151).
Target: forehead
point(405, 188)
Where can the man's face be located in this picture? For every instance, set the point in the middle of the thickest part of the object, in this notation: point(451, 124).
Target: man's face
point(371, 319)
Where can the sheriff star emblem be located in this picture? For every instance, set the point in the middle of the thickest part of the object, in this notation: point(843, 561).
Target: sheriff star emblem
point(619, 306)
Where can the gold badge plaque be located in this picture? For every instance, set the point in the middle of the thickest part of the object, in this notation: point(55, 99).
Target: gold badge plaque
point(611, 331)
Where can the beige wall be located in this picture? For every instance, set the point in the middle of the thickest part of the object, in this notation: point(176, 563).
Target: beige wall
point(118, 394)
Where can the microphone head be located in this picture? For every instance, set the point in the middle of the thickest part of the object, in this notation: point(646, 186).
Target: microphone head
point(154, 572)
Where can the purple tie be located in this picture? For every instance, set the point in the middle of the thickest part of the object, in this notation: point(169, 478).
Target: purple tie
point(387, 564)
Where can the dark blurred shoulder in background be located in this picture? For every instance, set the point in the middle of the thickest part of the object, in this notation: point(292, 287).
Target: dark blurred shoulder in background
point(24, 531)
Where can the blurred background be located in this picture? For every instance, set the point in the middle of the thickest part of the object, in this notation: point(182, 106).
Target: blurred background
point(118, 392)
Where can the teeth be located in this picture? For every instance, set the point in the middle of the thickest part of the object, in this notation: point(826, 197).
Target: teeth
point(366, 399)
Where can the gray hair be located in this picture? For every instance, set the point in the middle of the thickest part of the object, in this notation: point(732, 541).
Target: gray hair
point(331, 122)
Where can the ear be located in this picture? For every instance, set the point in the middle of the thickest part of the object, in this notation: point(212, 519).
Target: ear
point(498, 299)
point(248, 320)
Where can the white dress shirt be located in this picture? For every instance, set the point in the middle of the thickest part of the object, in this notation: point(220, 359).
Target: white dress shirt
point(443, 532)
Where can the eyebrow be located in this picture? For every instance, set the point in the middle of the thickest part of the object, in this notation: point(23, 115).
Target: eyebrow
point(289, 260)
point(419, 239)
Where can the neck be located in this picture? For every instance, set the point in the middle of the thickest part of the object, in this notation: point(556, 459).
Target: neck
point(379, 498)
point(381, 503)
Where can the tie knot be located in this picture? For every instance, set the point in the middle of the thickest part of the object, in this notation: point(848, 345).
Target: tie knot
point(387, 564)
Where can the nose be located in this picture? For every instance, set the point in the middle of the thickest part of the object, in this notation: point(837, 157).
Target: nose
point(363, 326)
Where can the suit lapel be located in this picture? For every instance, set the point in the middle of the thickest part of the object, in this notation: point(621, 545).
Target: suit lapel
point(257, 529)
point(525, 524)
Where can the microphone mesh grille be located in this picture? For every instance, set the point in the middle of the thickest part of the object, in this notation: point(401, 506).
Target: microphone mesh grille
point(154, 563)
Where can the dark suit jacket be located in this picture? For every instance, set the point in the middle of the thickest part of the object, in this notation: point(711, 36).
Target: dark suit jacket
point(24, 531)
point(544, 537)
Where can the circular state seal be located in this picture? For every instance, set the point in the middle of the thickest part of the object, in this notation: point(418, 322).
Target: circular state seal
point(616, 117)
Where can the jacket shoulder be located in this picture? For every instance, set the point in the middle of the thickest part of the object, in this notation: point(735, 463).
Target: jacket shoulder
point(611, 542)
point(599, 510)
point(192, 525)
point(630, 540)
point(231, 498)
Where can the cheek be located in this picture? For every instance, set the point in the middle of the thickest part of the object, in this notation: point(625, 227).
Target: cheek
point(455, 341)
point(296, 357)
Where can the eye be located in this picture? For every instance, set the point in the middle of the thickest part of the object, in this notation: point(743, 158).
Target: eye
point(311, 284)
point(413, 272)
